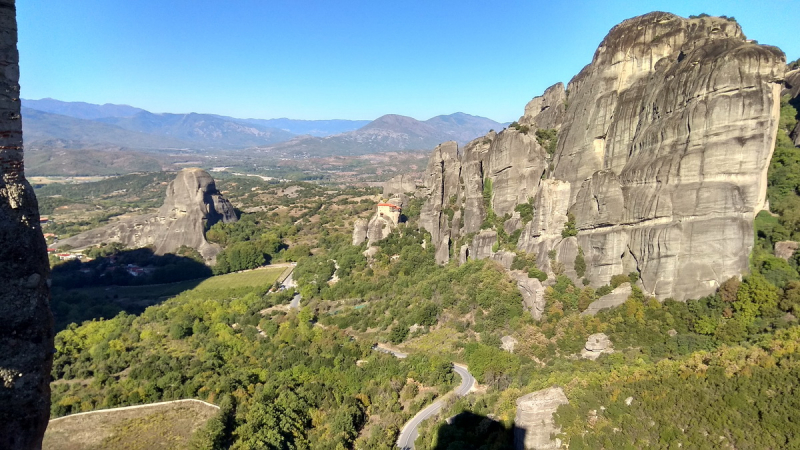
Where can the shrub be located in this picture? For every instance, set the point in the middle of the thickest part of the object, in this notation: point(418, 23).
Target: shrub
point(580, 264)
point(569, 227)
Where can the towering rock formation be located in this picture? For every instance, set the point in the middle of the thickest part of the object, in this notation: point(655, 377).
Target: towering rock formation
point(26, 334)
point(192, 204)
point(381, 224)
point(534, 422)
point(664, 141)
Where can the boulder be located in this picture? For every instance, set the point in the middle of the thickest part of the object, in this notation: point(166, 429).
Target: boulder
point(370, 252)
point(26, 336)
point(532, 293)
point(508, 343)
point(616, 297)
point(786, 249)
point(596, 345)
point(534, 420)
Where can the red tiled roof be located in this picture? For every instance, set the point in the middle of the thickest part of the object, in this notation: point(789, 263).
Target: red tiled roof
point(388, 204)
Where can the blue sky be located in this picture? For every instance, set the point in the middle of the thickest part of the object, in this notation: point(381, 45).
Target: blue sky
point(334, 59)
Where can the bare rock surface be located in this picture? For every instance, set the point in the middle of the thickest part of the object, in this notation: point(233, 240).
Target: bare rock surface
point(596, 345)
point(792, 89)
point(615, 298)
point(400, 184)
point(547, 110)
point(26, 336)
point(360, 231)
point(792, 84)
point(192, 203)
point(508, 343)
point(532, 293)
point(664, 143)
point(786, 249)
point(482, 244)
point(534, 420)
point(504, 258)
point(380, 225)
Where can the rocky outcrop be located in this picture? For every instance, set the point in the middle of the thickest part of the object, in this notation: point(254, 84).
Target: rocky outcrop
point(548, 110)
point(504, 258)
point(792, 89)
point(596, 345)
point(441, 183)
point(786, 249)
point(482, 244)
point(26, 336)
point(360, 228)
point(381, 224)
point(401, 184)
point(616, 297)
point(532, 293)
point(192, 204)
point(663, 147)
point(791, 84)
point(508, 343)
point(534, 420)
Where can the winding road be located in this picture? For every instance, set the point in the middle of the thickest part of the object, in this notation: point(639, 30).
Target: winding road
point(410, 430)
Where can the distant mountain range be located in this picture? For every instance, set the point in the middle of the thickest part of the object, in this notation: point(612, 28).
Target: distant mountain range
point(389, 133)
point(86, 125)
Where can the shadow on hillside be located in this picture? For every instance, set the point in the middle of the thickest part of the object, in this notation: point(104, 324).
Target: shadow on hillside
point(127, 280)
point(470, 431)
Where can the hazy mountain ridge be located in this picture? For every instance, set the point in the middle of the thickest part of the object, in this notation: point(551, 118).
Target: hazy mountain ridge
point(390, 132)
point(319, 128)
point(81, 110)
point(203, 129)
point(90, 125)
point(43, 126)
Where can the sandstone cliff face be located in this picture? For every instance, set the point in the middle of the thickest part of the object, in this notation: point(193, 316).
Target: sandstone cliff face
point(792, 89)
point(26, 336)
point(547, 110)
point(400, 184)
point(534, 420)
point(192, 203)
point(662, 154)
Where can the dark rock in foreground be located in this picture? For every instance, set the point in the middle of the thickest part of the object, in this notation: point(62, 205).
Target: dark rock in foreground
point(26, 334)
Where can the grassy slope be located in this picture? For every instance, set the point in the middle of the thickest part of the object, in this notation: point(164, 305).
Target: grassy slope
point(167, 426)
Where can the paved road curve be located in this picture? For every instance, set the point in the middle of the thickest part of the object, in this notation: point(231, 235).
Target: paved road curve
point(410, 431)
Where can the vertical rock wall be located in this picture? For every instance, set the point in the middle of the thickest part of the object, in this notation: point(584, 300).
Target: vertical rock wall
point(26, 334)
point(664, 143)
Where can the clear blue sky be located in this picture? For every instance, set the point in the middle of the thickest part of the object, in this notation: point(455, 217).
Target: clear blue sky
point(335, 59)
